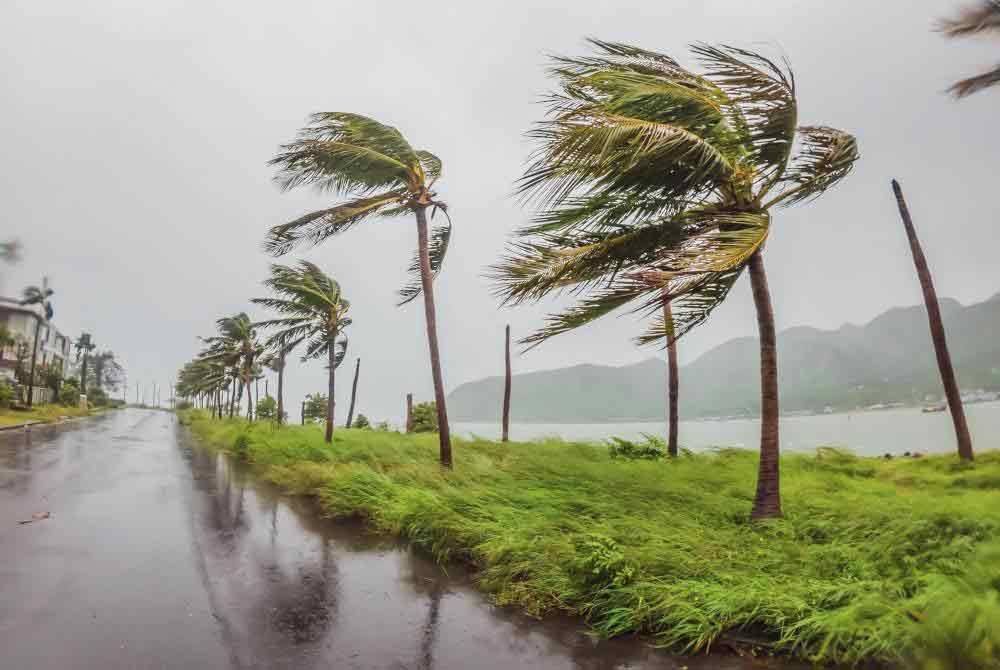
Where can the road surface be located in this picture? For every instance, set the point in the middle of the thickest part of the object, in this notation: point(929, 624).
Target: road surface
point(160, 554)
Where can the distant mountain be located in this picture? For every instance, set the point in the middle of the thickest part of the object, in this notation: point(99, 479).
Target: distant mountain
point(889, 359)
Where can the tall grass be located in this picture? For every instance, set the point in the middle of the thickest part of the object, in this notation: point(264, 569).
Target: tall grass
point(887, 560)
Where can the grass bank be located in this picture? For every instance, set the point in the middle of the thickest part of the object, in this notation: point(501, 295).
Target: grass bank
point(44, 413)
point(889, 560)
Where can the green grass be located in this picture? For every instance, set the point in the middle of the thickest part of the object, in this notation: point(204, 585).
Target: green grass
point(888, 560)
point(46, 413)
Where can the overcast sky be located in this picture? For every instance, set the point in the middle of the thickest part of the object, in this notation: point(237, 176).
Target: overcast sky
point(136, 136)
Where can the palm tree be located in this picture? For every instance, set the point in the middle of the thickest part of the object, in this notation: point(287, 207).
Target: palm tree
point(313, 308)
point(33, 295)
point(505, 415)
point(84, 345)
point(382, 176)
point(236, 346)
point(983, 17)
point(951, 391)
point(276, 361)
point(656, 184)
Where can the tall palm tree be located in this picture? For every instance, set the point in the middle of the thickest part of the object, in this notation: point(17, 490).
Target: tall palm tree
point(276, 361)
point(982, 17)
point(382, 176)
point(313, 309)
point(656, 184)
point(84, 345)
point(32, 296)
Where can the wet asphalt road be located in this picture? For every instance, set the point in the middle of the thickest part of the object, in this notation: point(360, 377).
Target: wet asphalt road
point(159, 554)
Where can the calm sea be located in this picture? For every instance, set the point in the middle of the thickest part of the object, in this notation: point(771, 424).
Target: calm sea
point(867, 433)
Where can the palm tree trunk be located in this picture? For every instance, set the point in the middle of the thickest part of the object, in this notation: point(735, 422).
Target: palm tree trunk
point(673, 382)
point(951, 391)
point(409, 412)
point(281, 387)
point(354, 393)
point(767, 503)
point(330, 402)
point(246, 385)
point(427, 284)
point(34, 356)
point(505, 426)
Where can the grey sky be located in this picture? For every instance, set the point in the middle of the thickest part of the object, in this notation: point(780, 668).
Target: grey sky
point(136, 135)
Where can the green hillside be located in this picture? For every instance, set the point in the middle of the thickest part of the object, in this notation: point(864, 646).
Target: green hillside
point(889, 359)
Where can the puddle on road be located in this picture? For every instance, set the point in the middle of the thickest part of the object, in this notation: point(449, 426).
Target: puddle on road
point(293, 590)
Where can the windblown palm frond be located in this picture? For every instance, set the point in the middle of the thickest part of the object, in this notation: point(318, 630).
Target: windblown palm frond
point(10, 251)
point(651, 181)
point(826, 157)
point(983, 17)
point(440, 238)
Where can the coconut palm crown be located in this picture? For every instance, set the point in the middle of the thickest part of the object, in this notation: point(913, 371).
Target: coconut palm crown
point(655, 183)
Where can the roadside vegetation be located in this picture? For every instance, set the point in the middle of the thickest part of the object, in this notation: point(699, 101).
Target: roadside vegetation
point(874, 559)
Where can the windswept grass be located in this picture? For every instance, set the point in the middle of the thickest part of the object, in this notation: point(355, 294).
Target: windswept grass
point(888, 560)
point(46, 413)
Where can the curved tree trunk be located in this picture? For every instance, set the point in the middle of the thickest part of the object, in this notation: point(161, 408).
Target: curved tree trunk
point(330, 403)
point(34, 357)
point(281, 389)
point(951, 391)
point(673, 382)
point(767, 503)
point(505, 429)
point(427, 284)
point(354, 394)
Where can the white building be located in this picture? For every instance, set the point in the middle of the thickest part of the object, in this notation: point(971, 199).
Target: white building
point(21, 322)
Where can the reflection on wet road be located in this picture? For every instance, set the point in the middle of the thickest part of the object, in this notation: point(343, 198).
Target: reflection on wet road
point(160, 554)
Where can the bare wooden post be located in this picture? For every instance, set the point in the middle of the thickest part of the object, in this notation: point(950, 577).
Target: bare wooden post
point(409, 412)
point(945, 368)
point(505, 431)
point(354, 393)
point(303, 412)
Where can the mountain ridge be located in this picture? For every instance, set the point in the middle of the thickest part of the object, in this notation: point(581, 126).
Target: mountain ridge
point(888, 359)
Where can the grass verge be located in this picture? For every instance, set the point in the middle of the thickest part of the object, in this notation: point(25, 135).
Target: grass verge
point(894, 561)
point(44, 413)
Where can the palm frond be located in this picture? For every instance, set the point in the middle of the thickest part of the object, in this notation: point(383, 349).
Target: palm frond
point(762, 108)
point(690, 270)
point(967, 87)
point(346, 153)
point(827, 155)
point(984, 16)
point(437, 248)
point(431, 165)
point(315, 227)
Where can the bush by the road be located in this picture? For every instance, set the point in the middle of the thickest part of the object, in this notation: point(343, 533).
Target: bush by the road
point(889, 560)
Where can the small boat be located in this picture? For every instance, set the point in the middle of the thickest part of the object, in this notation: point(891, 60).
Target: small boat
point(931, 409)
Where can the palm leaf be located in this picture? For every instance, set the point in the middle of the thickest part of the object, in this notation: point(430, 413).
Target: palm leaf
point(437, 248)
point(827, 155)
point(317, 226)
point(762, 105)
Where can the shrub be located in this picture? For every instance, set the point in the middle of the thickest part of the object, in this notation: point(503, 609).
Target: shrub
point(267, 409)
point(425, 418)
point(184, 405)
point(651, 448)
point(314, 409)
point(362, 422)
point(6, 395)
point(69, 394)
